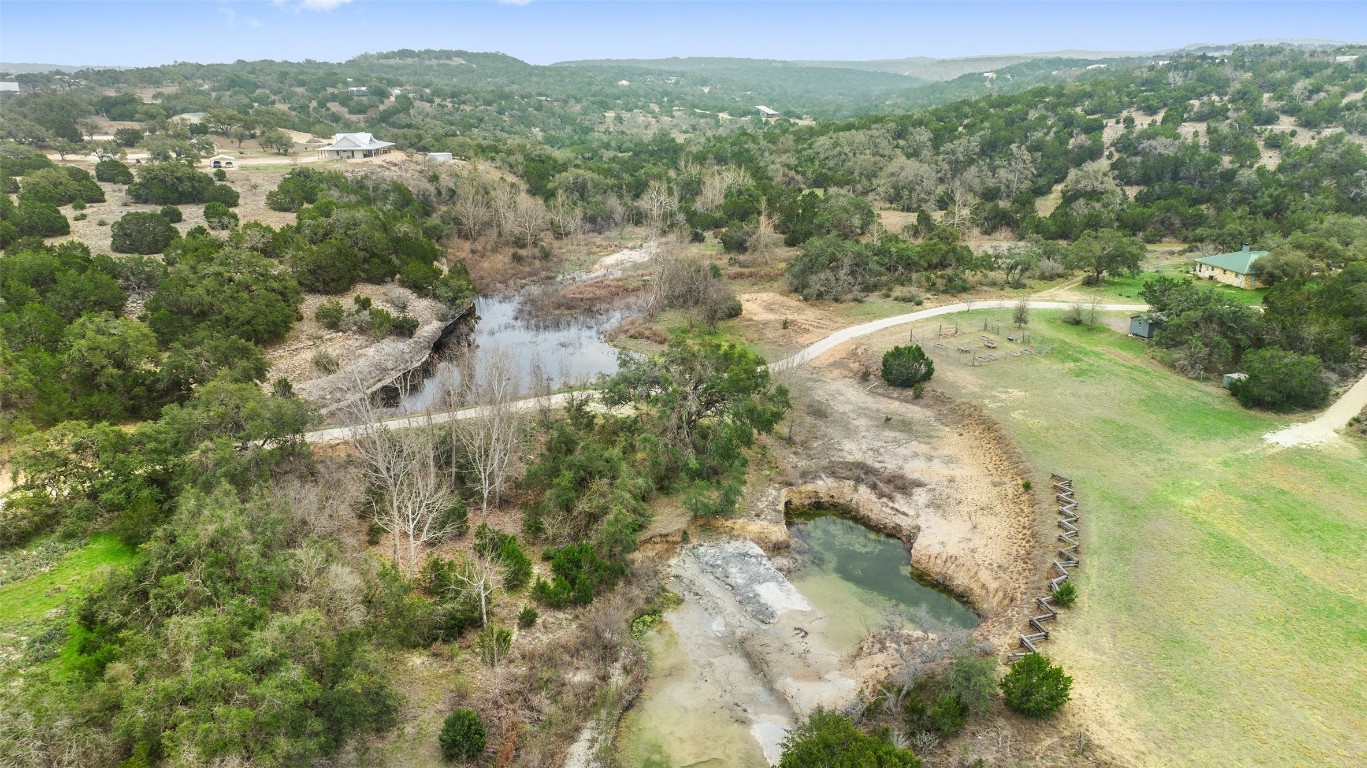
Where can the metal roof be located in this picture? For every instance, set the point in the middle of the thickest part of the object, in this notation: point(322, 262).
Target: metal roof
point(1238, 261)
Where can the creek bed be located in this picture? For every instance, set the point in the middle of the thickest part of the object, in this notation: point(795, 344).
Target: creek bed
point(708, 703)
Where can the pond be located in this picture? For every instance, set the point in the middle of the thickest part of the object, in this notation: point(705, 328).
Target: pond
point(857, 577)
point(571, 350)
point(707, 704)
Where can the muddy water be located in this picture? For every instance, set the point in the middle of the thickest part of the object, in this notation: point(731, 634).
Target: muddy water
point(571, 351)
point(857, 577)
point(716, 698)
point(676, 723)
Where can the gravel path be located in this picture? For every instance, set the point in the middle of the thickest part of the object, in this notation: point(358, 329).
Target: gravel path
point(1325, 426)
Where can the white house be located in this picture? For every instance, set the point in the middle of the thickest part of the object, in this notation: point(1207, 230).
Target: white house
point(9, 86)
point(346, 146)
point(356, 90)
point(766, 114)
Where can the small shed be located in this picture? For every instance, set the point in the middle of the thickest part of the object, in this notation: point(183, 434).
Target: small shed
point(439, 157)
point(1146, 324)
point(1230, 378)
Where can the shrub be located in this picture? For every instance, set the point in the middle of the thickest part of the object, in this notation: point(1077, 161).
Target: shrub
point(949, 714)
point(325, 361)
point(79, 217)
point(78, 205)
point(455, 519)
point(526, 617)
point(907, 366)
point(462, 736)
point(1034, 687)
point(405, 325)
point(220, 174)
point(217, 216)
point(972, 680)
point(1280, 380)
point(381, 322)
point(504, 547)
point(111, 171)
point(171, 214)
point(1066, 594)
point(142, 232)
point(494, 643)
point(221, 193)
point(829, 740)
point(579, 574)
point(329, 314)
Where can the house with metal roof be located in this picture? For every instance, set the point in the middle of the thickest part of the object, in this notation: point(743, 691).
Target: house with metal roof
point(346, 146)
point(1234, 269)
point(767, 114)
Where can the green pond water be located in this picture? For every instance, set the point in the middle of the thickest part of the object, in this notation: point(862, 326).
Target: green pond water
point(857, 577)
point(853, 576)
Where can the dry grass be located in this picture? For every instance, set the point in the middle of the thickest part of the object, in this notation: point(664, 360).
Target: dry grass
point(885, 483)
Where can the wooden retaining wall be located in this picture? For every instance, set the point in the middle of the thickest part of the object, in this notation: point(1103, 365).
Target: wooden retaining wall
point(1067, 560)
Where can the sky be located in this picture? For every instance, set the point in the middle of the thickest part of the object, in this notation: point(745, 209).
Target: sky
point(151, 32)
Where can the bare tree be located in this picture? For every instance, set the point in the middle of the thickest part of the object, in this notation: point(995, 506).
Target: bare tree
point(528, 220)
point(478, 577)
point(658, 206)
point(471, 207)
point(490, 436)
point(764, 242)
point(402, 464)
point(566, 219)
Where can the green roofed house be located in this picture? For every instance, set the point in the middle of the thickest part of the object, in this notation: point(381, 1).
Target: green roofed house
point(1230, 268)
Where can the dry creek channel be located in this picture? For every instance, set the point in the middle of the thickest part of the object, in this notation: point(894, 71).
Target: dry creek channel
point(749, 651)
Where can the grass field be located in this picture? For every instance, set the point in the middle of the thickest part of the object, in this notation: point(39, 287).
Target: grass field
point(1223, 607)
point(24, 602)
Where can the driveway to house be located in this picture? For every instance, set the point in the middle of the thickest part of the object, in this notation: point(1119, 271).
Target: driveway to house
point(1324, 427)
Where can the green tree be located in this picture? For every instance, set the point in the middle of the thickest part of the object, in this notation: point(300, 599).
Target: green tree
point(111, 359)
point(829, 740)
point(278, 141)
point(462, 736)
point(128, 137)
point(37, 219)
point(170, 183)
point(1034, 687)
point(231, 291)
point(142, 232)
point(112, 171)
point(1280, 380)
point(907, 366)
point(1106, 251)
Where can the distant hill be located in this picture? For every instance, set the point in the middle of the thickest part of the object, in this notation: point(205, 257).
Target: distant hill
point(24, 68)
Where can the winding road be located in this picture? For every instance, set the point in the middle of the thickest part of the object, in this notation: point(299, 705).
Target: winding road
point(1317, 431)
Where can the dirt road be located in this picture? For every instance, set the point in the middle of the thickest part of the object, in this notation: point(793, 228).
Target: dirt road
point(1324, 427)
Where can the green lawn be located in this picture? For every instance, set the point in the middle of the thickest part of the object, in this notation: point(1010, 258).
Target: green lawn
point(23, 603)
point(1126, 289)
point(1223, 603)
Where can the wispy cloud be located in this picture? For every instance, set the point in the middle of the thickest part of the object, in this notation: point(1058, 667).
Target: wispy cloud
point(514, 2)
point(230, 14)
point(255, 24)
point(309, 5)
